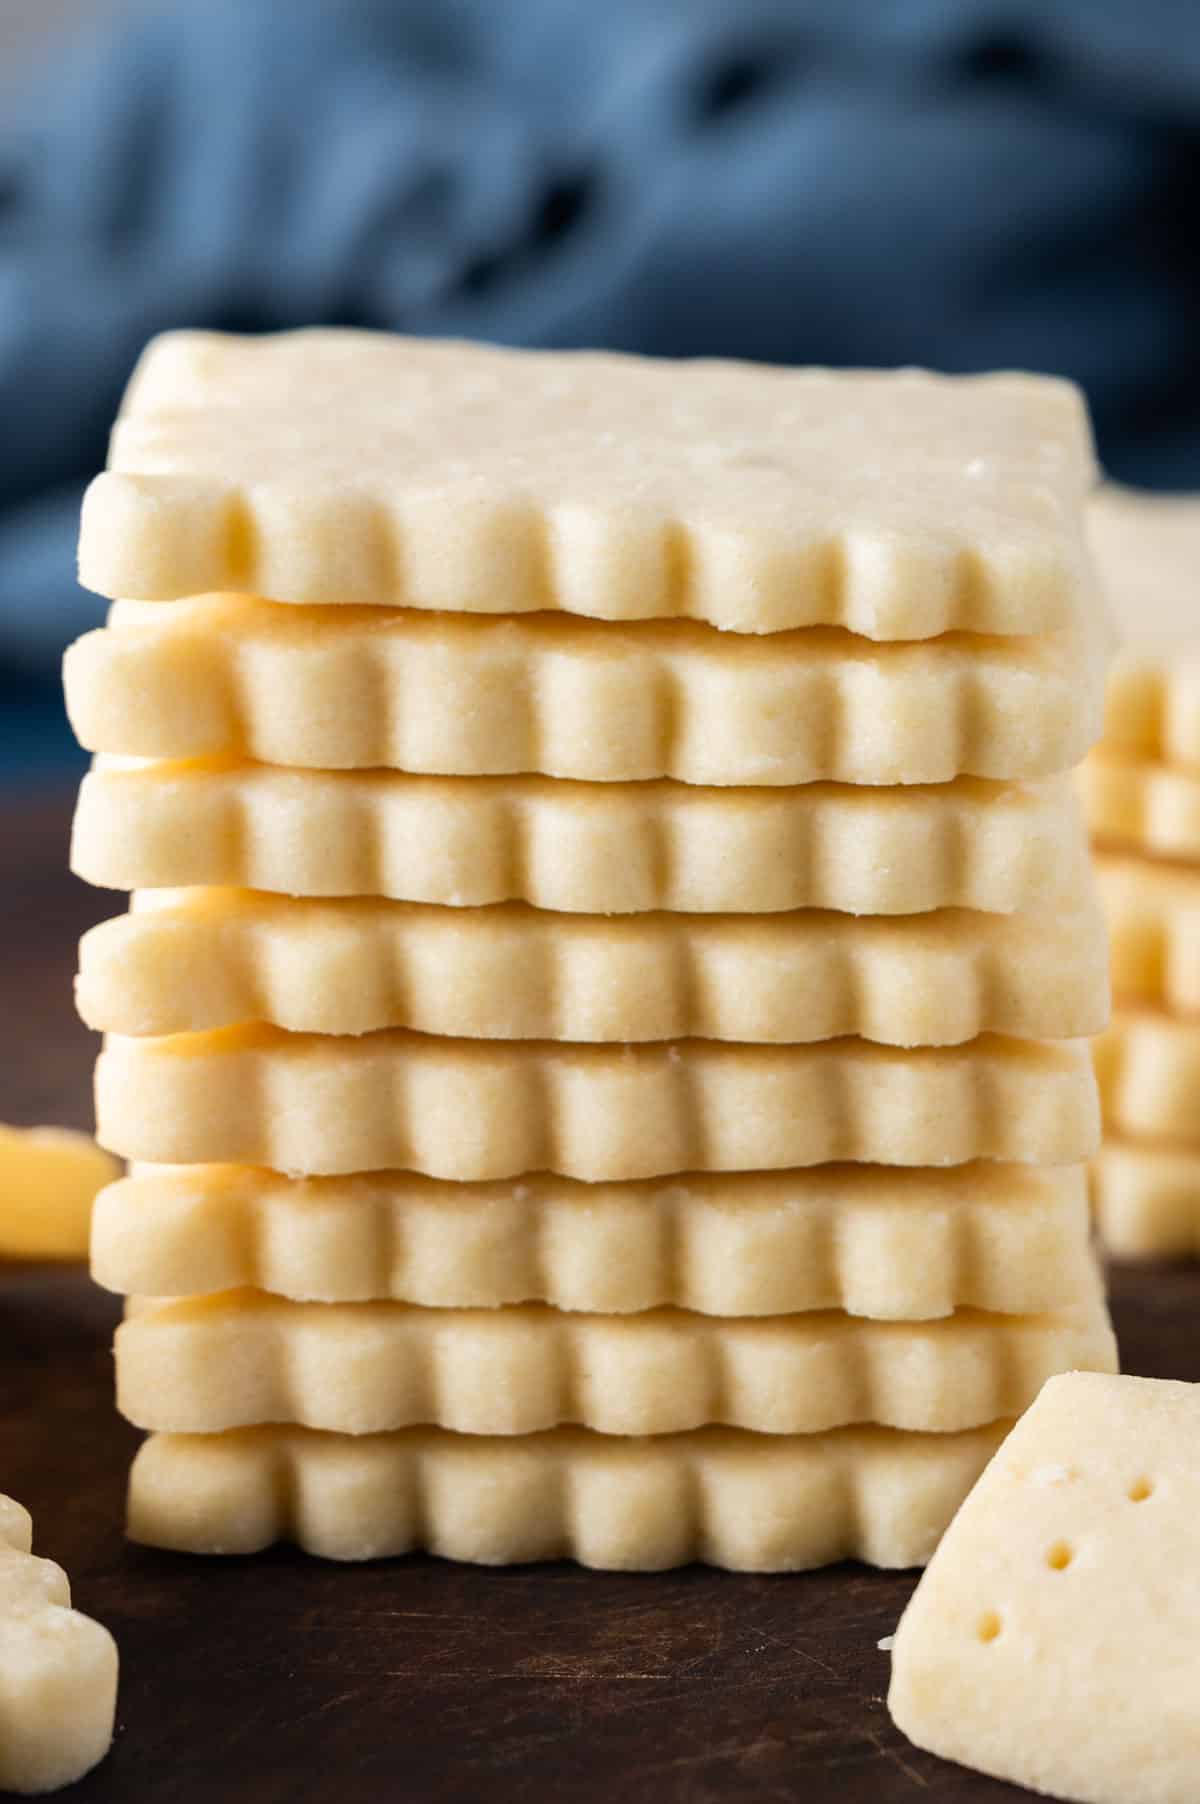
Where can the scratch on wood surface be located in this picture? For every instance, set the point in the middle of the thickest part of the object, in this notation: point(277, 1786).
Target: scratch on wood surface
point(333, 1703)
point(456, 1616)
point(895, 1754)
point(801, 1653)
point(741, 1752)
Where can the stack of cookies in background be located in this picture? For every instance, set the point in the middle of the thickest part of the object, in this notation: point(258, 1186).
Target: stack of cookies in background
point(599, 1026)
point(1142, 797)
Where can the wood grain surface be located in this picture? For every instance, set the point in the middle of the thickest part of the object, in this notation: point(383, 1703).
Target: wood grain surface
point(283, 1679)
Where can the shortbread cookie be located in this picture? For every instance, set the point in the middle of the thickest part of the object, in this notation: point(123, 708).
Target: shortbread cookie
point(1148, 1067)
point(1153, 912)
point(203, 1364)
point(752, 1503)
point(1147, 1199)
point(1148, 552)
point(1052, 1640)
point(580, 847)
point(1129, 803)
point(478, 1109)
point(188, 960)
point(49, 1177)
point(58, 1670)
point(345, 689)
point(357, 467)
point(873, 1241)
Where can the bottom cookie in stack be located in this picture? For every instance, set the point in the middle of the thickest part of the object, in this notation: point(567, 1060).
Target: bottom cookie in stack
point(747, 1502)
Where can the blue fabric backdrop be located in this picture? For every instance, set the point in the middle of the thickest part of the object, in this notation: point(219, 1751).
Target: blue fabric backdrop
point(963, 183)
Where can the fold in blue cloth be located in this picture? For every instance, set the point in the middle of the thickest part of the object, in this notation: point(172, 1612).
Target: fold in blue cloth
point(1005, 182)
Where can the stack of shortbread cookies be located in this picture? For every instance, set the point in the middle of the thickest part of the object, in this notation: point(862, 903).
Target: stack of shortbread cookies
point(600, 1026)
point(1142, 797)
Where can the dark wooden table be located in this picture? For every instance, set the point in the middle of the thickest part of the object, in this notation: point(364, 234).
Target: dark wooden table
point(284, 1679)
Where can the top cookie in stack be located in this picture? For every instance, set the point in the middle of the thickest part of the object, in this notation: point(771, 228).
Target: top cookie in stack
point(351, 468)
point(642, 1177)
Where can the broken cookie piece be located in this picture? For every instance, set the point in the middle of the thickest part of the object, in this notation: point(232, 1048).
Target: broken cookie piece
point(58, 1670)
point(1053, 1639)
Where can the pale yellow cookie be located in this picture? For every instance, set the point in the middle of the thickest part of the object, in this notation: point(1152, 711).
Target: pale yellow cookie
point(1148, 552)
point(1052, 1640)
point(58, 1670)
point(203, 1364)
point(339, 466)
point(751, 1503)
point(874, 1241)
point(481, 1109)
point(1153, 912)
point(1147, 1199)
point(187, 960)
point(1130, 804)
point(344, 688)
point(1148, 1067)
point(49, 1177)
point(580, 847)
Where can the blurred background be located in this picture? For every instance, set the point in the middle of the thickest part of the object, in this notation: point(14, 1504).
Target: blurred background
point(959, 183)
